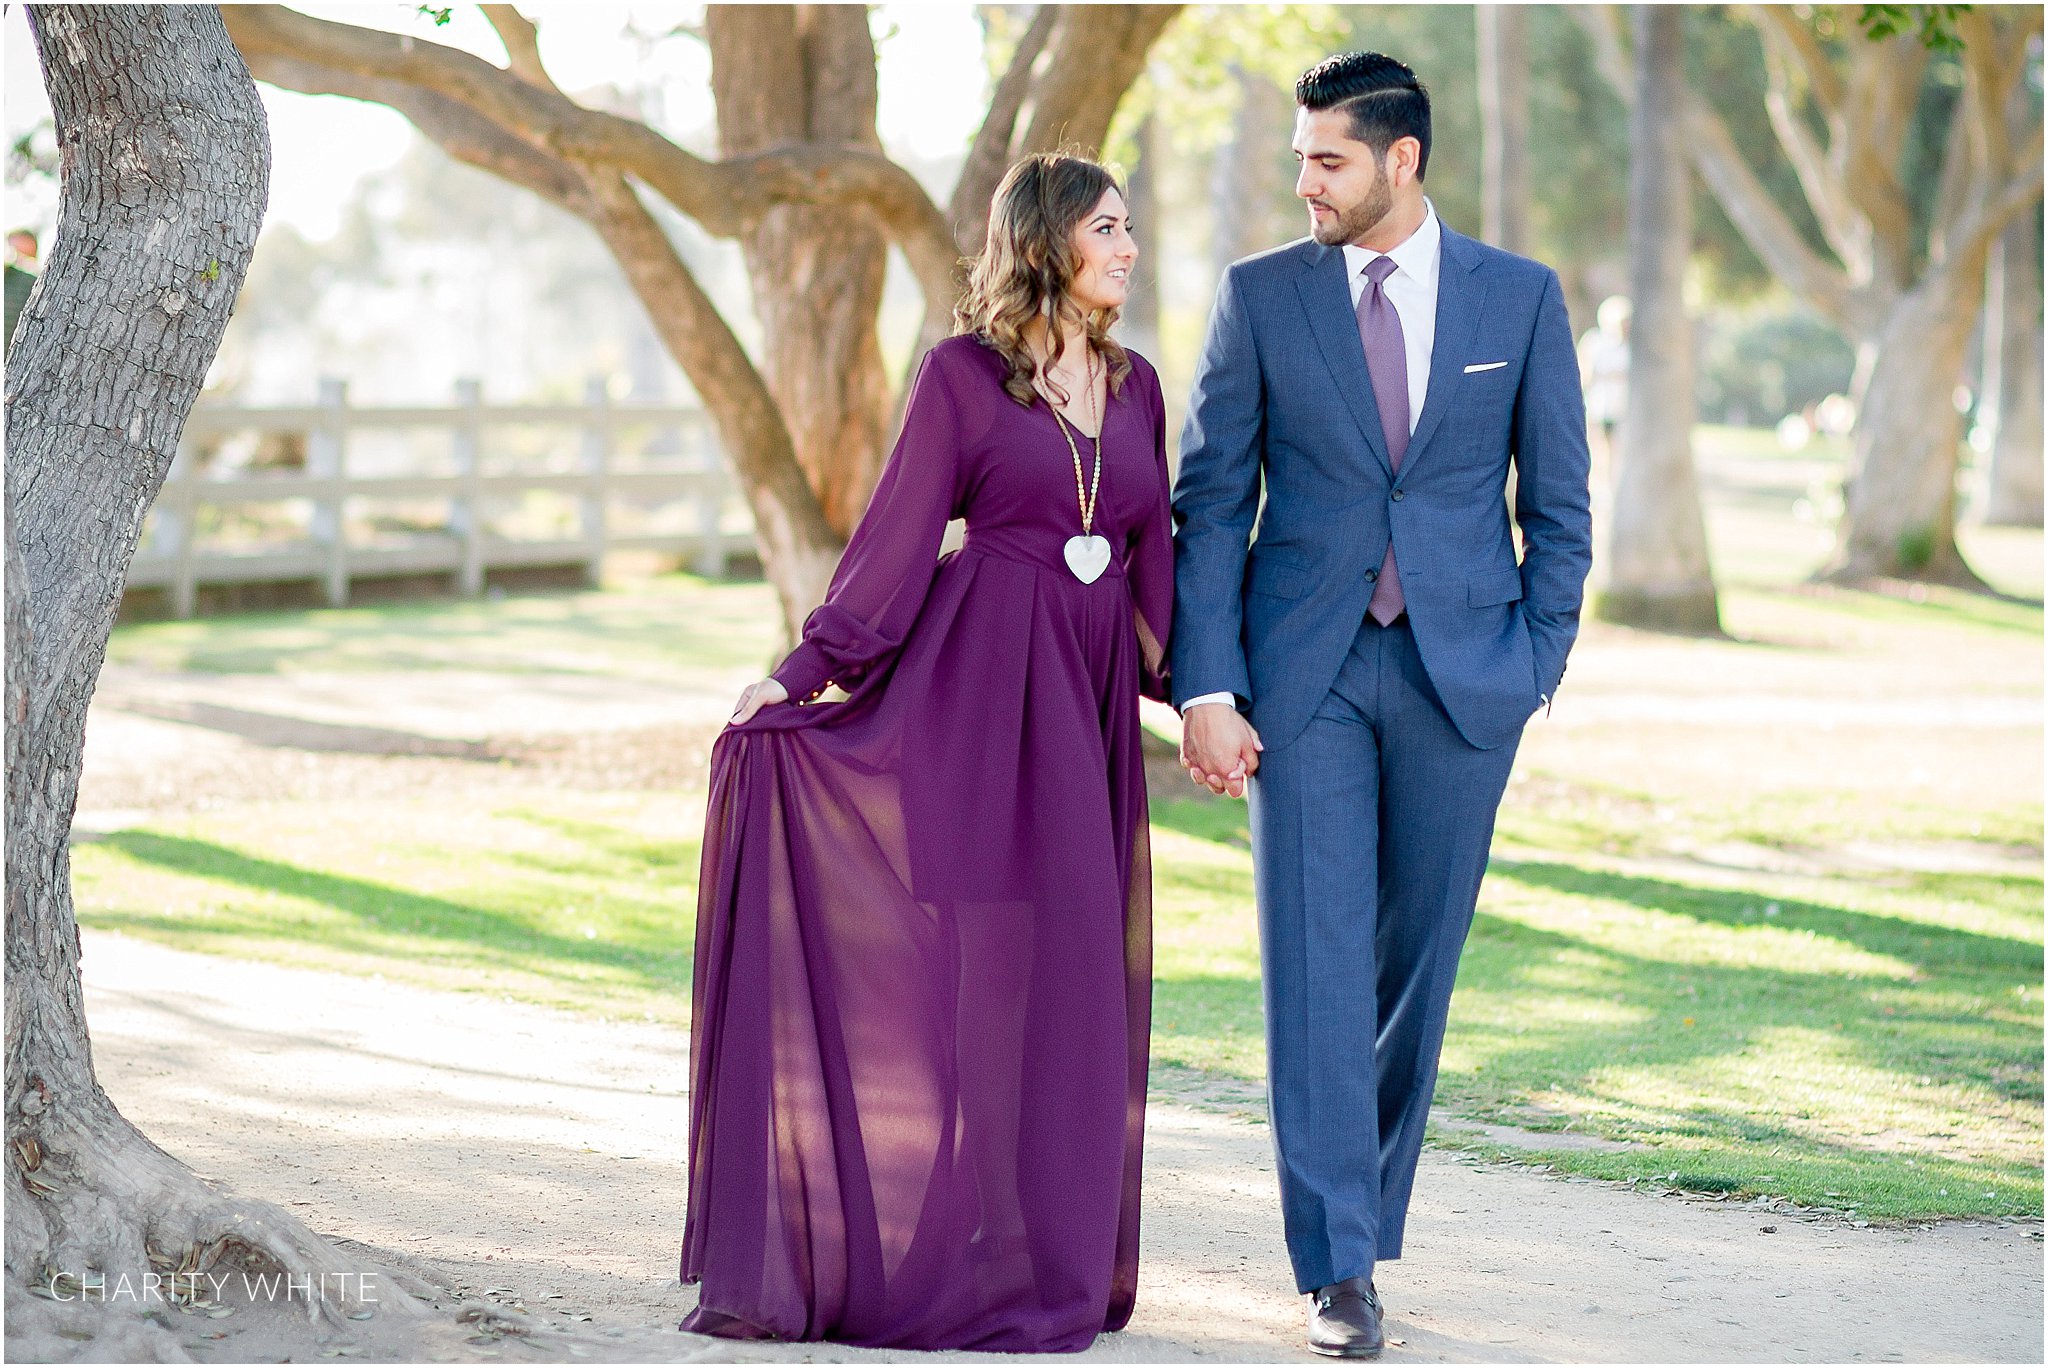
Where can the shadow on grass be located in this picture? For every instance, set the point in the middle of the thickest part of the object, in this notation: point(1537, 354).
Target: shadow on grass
point(1694, 1012)
point(1686, 1017)
point(646, 854)
point(675, 618)
point(1893, 602)
point(1925, 945)
point(1776, 1160)
point(383, 917)
point(1950, 1022)
point(1737, 1028)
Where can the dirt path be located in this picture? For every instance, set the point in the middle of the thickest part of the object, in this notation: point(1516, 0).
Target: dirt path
point(481, 1144)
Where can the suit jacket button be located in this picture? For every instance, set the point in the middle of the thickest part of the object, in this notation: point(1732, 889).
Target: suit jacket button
point(1397, 496)
point(1371, 576)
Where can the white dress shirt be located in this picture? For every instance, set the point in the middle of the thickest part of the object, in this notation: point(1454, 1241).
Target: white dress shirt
point(1411, 289)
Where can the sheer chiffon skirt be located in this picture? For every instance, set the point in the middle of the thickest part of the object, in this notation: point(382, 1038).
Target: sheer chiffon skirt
point(922, 987)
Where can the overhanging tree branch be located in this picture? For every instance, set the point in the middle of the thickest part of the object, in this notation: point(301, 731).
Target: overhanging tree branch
point(1987, 216)
point(722, 197)
point(456, 128)
point(1799, 44)
point(1993, 66)
point(1769, 231)
point(1603, 26)
point(1896, 98)
point(1099, 51)
point(989, 155)
point(1846, 228)
point(522, 45)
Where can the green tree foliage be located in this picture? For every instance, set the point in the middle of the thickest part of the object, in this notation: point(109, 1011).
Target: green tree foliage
point(1190, 83)
point(1935, 23)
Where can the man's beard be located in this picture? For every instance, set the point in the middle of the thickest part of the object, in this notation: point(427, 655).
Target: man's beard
point(1360, 219)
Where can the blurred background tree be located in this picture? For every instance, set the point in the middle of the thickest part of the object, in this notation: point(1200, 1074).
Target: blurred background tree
point(1656, 573)
point(2012, 376)
point(1915, 135)
point(800, 181)
point(787, 270)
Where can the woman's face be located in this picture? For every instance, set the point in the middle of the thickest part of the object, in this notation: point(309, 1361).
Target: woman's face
point(1103, 241)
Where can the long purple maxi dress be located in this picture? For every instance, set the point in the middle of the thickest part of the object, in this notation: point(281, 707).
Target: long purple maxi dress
point(922, 1002)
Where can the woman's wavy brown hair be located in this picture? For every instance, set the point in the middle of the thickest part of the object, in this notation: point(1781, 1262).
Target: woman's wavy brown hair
point(1027, 269)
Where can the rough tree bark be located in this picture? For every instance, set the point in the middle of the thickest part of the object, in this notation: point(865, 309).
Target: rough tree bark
point(1657, 571)
point(800, 183)
point(165, 171)
point(1504, 125)
point(1844, 119)
point(2013, 378)
point(783, 74)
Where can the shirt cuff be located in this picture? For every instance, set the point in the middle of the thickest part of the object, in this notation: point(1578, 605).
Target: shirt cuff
point(1225, 697)
point(805, 673)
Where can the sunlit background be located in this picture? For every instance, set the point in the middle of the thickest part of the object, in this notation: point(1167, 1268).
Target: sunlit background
point(384, 261)
point(1764, 918)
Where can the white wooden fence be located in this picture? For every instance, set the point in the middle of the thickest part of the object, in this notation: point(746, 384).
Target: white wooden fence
point(173, 558)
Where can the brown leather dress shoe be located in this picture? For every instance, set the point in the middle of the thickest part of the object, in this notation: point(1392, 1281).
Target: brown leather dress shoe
point(1344, 1320)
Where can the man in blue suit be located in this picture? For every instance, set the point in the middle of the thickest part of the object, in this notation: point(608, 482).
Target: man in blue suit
point(1364, 668)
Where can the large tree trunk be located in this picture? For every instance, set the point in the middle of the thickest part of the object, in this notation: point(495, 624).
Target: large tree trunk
point(166, 164)
point(795, 74)
point(1903, 281)
point(1898, 518)
point(1658, 574)
point(2013, 377)
point(1504, 125)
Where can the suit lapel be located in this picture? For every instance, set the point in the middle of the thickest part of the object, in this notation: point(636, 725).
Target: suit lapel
point(1326, 298)
point(1460, 303)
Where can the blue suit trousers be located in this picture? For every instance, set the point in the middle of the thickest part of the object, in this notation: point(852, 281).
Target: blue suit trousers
point(1369, 837)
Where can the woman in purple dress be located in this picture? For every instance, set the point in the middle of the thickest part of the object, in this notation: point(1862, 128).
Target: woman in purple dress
point(922, 1002)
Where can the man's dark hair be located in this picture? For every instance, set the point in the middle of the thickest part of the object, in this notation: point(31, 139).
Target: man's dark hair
point(1384, 97)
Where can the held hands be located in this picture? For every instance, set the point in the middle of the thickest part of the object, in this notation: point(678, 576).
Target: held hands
point(1219, 748)
point(756, 697)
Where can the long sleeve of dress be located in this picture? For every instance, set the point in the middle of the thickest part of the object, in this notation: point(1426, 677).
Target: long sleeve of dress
point(1148, 563)
point(888, 566)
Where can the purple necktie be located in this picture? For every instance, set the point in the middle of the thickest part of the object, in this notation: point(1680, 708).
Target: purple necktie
point(1386, 360)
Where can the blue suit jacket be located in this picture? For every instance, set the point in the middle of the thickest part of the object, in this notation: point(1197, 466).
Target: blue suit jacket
point(1283, 405)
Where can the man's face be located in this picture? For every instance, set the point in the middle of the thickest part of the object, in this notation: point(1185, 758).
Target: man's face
point(1345, 185)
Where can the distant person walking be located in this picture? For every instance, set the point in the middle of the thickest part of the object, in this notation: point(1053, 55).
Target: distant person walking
point(1603, 361)
point(21, 275)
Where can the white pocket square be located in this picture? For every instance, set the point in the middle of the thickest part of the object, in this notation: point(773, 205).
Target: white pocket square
point(1485, 366)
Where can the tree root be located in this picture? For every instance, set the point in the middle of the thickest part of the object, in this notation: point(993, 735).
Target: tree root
point(1949, 572)
point(108, 1236)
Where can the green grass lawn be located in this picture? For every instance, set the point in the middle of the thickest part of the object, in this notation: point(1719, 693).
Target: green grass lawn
point(1767, 953)
point(581, 901)
point(666, 628)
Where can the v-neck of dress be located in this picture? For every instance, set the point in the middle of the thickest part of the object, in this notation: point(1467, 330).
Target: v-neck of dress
point(1102, 426)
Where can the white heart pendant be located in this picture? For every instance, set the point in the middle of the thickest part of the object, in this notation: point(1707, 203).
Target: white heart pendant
point(1087, 557)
